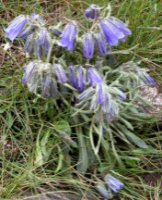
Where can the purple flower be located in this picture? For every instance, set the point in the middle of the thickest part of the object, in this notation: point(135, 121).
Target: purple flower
point(146, 78)
point(44, 40)
point(49, 89)
point(101, 43)
point(38, 42)
point(114, 184)
point(60, 73)
point(68, 36)
point(88, 45)
point(26, 32)
point(92, 12)
point(28, 72)
point(149, 80)
point(77, 78)
point(81, 80)
point(94, 77)
point(114, 30)
point(120, 25)
point(102, 95)
point(29, 43)
point(16, 26)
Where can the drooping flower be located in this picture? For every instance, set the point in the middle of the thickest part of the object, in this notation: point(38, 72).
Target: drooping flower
point(49, 88)
point(68, 36)
point(88, 45)
point(114, 30)
point(16, 26)
point(101, 43)
point(40, 78)
point(28, 71)
point(60, 73)
point(29, 44)
point(81, 80)
point(94, 77)
point(92, 12)
point(101, 95)
point(149, 80)
point(114, 184)
point(44, 40)
point(145, 77)
point(26, 32)
point(38, 42)
point(77, 78)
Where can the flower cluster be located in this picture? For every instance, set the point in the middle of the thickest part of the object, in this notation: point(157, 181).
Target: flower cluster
point(32, 29)
point(101, 97)
point(44, 76)
point(41, 78)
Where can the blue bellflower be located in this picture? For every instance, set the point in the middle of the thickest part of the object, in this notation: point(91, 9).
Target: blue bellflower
point(38, 42)
point(77, 78)
point(16, 26)
point(68, 36)
point(92, 12)
point(101, 43)
point(48, 88)
point(28, 71)
point(43, 41)
point(149, 80)
point(114, 30)
point(29, 44)
point(114, 184)
point(88, 45)
point(94, 77)
point(60, 73)
point(145, 77)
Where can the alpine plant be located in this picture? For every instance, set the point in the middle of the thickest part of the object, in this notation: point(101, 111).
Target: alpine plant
point(71, 57)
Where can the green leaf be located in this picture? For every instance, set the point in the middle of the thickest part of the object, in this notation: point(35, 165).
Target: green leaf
point(136, 140)
point(83, 161)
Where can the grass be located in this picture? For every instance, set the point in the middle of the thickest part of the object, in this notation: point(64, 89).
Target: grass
point(34, 152)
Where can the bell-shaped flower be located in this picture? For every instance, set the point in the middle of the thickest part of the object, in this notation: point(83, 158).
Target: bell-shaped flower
point(16, 26)
point(94, 77)
point(29, 44)
point(38, 42)
point(88, 45)
point(92, 12)
point(44, 40)
point(77, 78)
point(60, 73)
point(114, 184)
point(114, 30)
point(145, 77)
point(101, 43)
point(48, 87)
point(68, 36)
